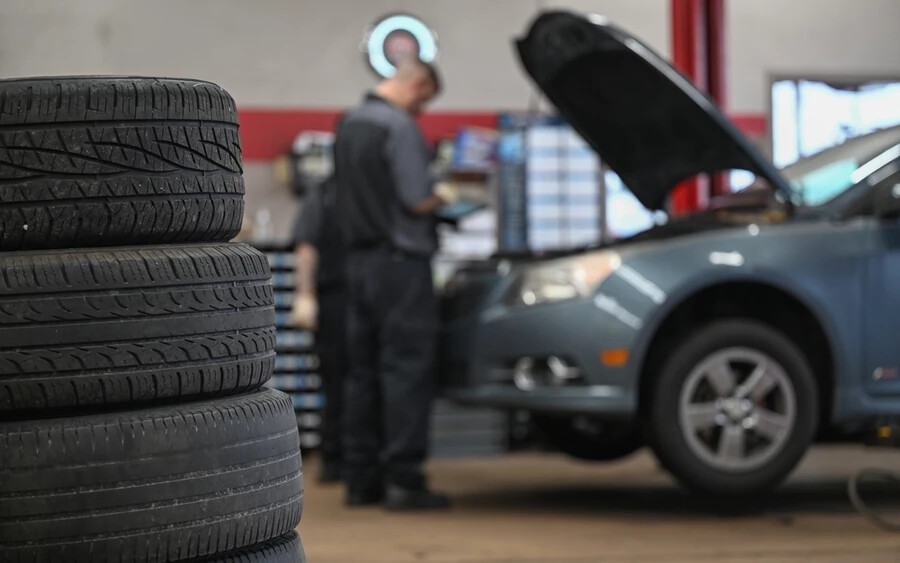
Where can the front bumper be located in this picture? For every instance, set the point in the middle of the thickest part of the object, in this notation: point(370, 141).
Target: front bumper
point(480, 350)
point(595, 400)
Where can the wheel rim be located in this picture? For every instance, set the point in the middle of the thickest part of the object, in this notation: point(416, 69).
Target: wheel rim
point(737, 409)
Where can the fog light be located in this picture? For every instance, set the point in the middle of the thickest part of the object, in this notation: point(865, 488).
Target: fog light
point(561, 372)
point(523, 375)
point(530, 373)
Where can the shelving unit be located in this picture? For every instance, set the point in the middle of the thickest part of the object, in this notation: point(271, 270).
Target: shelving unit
point(296, 365)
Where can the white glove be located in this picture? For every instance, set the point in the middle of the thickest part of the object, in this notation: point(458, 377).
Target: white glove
point(305, 312)
point(447, 191)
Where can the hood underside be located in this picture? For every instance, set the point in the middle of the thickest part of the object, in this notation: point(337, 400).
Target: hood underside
point(646, 120)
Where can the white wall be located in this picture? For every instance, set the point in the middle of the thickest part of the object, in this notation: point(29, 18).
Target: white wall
point(305, 52)
point(829, 37)
point(286, 52)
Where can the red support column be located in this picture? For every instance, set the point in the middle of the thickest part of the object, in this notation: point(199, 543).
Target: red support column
point(689, 56)
point(715, 69)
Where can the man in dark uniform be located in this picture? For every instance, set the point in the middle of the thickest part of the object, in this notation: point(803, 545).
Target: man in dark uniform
point(385, 204)
point(320, 304)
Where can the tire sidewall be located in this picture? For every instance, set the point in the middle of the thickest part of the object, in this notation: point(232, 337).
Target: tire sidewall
point(665, 427)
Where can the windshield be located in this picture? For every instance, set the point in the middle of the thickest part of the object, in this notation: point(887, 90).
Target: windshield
point(820, 178)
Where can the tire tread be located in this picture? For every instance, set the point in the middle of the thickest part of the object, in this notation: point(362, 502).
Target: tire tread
point(106, 161)
point(101, 327)
point(104, 503)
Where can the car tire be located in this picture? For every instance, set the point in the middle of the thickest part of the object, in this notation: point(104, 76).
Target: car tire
point(82, 329)
point(104, 161)
point(163, 484)
point(755, 449)
point(590, 440)
point(284, 549)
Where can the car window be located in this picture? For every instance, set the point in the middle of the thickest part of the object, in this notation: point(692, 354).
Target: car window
point(884, 200)
point(822, 177)
point(825, 183)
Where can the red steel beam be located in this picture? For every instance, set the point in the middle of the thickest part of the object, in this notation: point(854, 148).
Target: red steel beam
point(715, 73)
point(689, 56)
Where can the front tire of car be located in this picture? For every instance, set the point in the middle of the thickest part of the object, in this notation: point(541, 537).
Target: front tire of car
point(733, 409)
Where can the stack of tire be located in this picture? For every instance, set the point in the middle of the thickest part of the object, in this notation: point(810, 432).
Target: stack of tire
point(134, 340)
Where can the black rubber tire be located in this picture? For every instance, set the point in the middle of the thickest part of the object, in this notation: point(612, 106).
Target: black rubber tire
point(163, 484)
point(284, 549)
point(81, 329)
point(615, 441)
point(110, 161)
point(664, 429)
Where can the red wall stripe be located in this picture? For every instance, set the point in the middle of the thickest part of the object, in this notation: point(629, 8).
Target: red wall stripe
point(754, 126)
point(268, 133)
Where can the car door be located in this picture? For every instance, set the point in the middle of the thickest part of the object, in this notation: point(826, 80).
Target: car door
point(882, 318)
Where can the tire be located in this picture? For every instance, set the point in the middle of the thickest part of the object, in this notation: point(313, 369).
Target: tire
point(284, 549)
point(113, 161)
point(757, 462)
point(590, 440)
point(83, 329)
point(163, 484)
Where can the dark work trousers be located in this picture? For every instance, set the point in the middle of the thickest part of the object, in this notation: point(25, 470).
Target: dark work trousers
point(331, 348)
point(392, 333)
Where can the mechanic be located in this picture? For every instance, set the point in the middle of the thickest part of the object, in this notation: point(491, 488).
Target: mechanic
point(385, 204)
point(320, 305)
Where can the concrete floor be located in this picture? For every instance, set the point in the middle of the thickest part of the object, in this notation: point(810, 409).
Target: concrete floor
point(530, 508)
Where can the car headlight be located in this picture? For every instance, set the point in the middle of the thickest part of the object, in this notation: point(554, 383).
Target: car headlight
point(560, 280)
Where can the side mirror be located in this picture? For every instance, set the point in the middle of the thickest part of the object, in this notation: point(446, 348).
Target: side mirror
point(887, 201)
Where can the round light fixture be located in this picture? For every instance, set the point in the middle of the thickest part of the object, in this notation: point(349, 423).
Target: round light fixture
point(396, 37)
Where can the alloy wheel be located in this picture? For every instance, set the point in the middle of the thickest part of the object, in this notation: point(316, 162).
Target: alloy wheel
point(737, 409)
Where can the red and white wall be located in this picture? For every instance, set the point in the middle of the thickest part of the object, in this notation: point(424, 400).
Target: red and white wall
point(291, 64)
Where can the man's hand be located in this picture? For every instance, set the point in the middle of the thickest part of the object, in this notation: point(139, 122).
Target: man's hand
point(448, 192)
point(305, 311)
point(443, 193)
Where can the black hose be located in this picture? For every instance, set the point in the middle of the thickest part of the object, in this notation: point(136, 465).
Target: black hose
point(858, 504)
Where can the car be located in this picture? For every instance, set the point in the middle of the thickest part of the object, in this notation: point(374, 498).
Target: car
point(728, 340)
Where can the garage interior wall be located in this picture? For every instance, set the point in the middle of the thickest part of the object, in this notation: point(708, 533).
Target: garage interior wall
point(304, 54)
point(286, 52)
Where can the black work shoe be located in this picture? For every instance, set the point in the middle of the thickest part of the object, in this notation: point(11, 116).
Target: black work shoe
point(398, 498)
point(331, 472)
point(364, 497)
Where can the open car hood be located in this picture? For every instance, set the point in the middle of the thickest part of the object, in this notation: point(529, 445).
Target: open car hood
point(645, 119)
